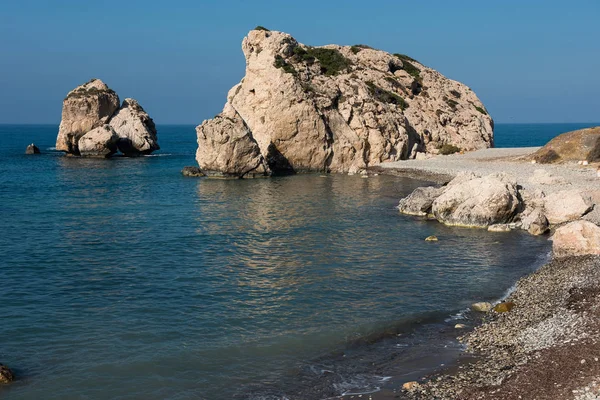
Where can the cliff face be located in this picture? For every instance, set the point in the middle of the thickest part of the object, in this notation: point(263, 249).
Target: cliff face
point(334, 108)
point(89, 109)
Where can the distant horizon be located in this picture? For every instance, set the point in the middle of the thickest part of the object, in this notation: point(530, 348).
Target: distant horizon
point(180, 59)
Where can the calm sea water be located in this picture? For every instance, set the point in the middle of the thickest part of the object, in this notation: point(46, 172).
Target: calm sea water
point(122, 279)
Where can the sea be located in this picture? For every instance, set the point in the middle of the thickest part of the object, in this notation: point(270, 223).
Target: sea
point(123, 279)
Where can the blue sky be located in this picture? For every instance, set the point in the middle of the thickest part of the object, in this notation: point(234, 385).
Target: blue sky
point(529, 61)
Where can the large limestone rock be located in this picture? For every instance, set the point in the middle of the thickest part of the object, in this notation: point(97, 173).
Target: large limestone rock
point(478, 202)
point(565, 206)
point(581, 145)
point(85, 108)
point(99, 142)
point(334, 108)
point(135, 128)
point(6, 375)
point(93, 105)
point(419, 202)
point(576, 239)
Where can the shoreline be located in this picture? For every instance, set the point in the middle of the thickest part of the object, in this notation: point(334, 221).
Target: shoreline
point(546, 347)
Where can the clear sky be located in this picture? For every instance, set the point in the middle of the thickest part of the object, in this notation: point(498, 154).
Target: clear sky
point(528, 60)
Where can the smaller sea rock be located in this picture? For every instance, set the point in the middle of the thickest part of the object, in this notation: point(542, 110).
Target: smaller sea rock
point(499, 228)
point(504, 307)
point(6, 375)
point(419, 201)
point(577, 238)
point(481, 306)
point(411, 386)
point(135, 128)
point(32, 149)
point(431, 238)
point(192, 171)
point(99, 142)
point(565, 206)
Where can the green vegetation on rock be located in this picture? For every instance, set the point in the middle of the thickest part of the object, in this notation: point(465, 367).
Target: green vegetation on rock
point(281, 63)
point(262, 28)
point(451, 103)
point(449, 149)
point(386, 97)
point(332, 61)
point(83, 92)
point(481, 110)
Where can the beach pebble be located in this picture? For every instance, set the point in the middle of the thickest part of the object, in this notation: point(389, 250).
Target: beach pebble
point(460, 326)
point(481, 307)
point(504, 307)
point(431, 238)
point(411, 386)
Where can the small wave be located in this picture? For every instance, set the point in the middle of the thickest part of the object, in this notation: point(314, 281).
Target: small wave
point(51, 148)
point(158, 155)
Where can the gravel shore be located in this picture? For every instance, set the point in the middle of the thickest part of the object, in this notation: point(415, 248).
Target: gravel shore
point(514, 161)
point(548, 345)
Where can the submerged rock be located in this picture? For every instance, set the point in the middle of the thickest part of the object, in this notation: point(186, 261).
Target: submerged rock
point(135, 129)
point(32, 149)
point(577, 238)
point(192, 172)
point(431, 238)
point(334, 108)
point(6, 375)
point(99, 142)
point(93, 105)
point(478, 202)
point(85, 108)
point(499, 228)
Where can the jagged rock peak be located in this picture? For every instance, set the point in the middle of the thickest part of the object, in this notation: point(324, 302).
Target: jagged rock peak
point(335, 108)
point(93, 105)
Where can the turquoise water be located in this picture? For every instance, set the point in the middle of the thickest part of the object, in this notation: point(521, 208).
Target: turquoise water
point(122, 279)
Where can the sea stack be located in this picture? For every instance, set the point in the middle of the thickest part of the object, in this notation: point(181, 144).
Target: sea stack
point(32, 149)
point(335, 109)
point(93, 124)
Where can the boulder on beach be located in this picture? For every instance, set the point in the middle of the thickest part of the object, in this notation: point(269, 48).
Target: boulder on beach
point(32, 149)
point(335, 108)
point(478, 202)
point(93, 105)
point(566, 205)
point(419, 202)
point(6, 375)
point(503, 307)
point(100, 142)
point(481, 306)
point(580, 145)
point(577, 238)
point(535, 222)
point(135, 129)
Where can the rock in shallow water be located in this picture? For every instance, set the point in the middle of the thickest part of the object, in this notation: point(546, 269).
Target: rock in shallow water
point(481, 307)
point(32, 149)
point(6, 375)
point(135, 129)
point(419, 202)
point(192, 172)
point(478, 202)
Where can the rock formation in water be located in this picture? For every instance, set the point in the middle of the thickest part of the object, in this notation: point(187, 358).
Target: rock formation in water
point(581, 145)
point(6, 375)
point(89, 108)
point(32, 149)
point(335, 108)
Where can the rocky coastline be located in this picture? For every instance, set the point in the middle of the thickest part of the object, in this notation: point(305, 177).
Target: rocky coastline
point(545, 344)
